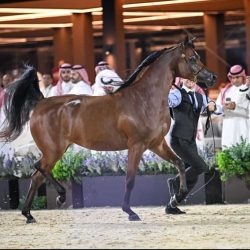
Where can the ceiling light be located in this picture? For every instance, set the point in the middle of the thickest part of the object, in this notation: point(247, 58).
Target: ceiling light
point(134, 5)
point(39, 25)
point(154, 18)
point(37, 10)
point(33, 16)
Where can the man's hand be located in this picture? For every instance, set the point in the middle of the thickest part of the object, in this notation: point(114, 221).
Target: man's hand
point(229, 106)
point(211, 106)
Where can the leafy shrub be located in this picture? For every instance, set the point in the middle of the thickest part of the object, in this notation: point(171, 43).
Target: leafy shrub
point(234, 160)
point(68, 167)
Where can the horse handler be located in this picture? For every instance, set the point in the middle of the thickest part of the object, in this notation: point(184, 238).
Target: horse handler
point(186, 104)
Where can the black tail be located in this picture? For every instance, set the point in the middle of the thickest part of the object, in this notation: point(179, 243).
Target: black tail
point(20, 98)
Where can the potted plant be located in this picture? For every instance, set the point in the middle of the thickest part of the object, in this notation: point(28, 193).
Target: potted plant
point(8, 183)
point(234, 166)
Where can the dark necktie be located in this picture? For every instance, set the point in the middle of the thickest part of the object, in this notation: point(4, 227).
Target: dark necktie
point(191, 93)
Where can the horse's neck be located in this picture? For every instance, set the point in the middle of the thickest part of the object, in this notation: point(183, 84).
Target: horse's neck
point(160, 75)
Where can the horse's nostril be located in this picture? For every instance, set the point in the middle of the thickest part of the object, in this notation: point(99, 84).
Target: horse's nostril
point(214, 77)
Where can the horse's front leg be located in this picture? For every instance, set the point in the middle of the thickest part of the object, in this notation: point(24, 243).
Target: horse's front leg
point(165, 152)
point(134, 157)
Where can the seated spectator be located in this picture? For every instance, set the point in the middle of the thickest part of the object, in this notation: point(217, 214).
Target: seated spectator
point(80, 80)
point(107, 80)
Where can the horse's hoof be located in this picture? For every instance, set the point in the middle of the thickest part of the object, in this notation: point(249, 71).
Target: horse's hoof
point(183, 190)
point(31, 220)
point(59, 203)
point(134, 217)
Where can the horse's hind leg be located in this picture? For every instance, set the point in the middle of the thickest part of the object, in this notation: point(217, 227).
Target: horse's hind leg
point(134, 156)
point(36, 180)
point(164, 151)
point(60, 200)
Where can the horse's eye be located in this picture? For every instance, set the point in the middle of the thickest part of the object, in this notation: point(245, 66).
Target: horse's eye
point(192, 59)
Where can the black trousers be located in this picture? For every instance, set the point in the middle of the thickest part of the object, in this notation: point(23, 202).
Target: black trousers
point(195, 165)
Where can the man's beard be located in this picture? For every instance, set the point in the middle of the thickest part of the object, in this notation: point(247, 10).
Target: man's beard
point(74, 81)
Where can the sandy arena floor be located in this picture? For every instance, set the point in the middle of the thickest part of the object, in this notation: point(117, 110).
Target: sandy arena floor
point(206, 226)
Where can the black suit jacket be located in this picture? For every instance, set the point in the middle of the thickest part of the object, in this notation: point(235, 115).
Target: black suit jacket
point(186, 117)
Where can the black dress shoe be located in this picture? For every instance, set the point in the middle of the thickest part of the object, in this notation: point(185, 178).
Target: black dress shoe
point(173, 188)
point(173, 210)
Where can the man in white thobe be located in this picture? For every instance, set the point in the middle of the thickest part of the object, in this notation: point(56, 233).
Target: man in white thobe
point(233, 103)
point(64, 84)
point(107, 80)
point(80, 80)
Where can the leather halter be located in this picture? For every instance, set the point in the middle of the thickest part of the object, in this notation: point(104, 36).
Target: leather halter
point(193, 66)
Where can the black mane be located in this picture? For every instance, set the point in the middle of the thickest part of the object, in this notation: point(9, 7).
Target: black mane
point(149, 59)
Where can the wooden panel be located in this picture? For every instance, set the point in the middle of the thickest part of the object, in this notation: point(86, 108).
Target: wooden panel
point(83, 45)
point(215, 45)
point(63, 45)
point(114, 34)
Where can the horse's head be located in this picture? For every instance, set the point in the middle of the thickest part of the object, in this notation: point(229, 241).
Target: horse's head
point(191, 67)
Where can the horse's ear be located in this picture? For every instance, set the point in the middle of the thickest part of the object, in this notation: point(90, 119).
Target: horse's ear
point(189, 42)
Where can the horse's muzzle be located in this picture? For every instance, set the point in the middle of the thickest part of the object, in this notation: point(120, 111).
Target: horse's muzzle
point(207, 78)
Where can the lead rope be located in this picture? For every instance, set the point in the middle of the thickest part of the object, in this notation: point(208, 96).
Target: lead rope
point(207, 126)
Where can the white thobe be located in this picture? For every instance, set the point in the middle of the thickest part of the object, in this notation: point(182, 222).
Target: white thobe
point(47, 91)
point(235, 122)
point(66, 87)
point(81, 88)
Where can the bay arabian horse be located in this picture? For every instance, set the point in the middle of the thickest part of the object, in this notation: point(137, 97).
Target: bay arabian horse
point(136, 117)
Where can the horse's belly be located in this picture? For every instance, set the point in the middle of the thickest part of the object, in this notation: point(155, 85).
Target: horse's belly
point(102, 142)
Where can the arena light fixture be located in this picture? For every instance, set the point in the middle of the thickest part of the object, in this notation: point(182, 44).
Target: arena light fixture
point(136, 13)
point(33, 16)
point(40, 10)
point(135, 5)
point(36, 26)
point(155, 18)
